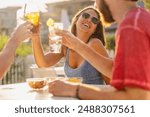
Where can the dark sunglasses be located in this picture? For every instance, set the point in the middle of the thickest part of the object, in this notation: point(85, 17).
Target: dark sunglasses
point(93, 19)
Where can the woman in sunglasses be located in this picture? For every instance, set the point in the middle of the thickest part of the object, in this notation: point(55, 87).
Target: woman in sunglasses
point(86, 25)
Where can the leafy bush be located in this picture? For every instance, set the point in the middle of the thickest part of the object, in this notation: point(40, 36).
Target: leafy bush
point(23, 50)
point(110, 42)
point(3, 41)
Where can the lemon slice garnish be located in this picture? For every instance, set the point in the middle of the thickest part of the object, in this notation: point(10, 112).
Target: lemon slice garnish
point(50, 22)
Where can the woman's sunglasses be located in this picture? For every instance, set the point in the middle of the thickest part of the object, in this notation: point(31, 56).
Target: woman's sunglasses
point(93, 19)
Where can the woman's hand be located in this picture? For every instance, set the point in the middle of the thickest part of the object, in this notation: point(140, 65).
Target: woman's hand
point(68, 39)
point(36, 32)
point(62, 88)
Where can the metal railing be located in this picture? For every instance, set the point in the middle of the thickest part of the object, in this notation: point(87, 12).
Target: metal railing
point(16, 72)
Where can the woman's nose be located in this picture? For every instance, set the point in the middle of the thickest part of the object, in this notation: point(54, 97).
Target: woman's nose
point(89, 19)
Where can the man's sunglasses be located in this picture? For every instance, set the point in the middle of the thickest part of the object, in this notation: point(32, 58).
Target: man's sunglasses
point(93, 19)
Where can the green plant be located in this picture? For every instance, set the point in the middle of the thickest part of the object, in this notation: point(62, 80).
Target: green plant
point(110, 42)
point(23, 50)
point(3, 41)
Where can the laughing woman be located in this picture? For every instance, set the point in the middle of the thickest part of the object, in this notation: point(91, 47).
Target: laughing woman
point(87, 26)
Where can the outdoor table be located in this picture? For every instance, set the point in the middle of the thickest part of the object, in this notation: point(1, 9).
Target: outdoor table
point(21, 91)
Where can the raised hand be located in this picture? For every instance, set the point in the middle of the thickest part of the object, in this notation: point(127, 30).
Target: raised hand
point(22, 32)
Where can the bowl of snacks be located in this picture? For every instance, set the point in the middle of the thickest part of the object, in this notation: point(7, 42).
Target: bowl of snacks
point(74, 79)
point(36, 83)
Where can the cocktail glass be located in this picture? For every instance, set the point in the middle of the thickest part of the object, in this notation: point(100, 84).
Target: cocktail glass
point(55, 40)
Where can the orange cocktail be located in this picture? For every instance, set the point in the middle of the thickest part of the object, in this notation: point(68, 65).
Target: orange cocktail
point(31, 14)
point(33, 17)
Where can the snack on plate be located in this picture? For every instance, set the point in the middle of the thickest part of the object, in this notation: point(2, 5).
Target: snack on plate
point(36, 83)
point(75, 79)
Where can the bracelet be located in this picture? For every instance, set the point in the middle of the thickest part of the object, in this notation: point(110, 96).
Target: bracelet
point(77, 91)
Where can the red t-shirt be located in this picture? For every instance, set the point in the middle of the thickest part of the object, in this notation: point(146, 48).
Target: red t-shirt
point(132, 60)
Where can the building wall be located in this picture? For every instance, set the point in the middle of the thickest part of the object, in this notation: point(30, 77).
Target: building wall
point(8, 15)
point(8, 19)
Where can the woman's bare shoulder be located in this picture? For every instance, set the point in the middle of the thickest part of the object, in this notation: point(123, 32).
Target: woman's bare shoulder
point(98, 46)
point(95, 41)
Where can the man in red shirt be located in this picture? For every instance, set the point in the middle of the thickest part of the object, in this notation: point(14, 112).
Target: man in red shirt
point(132, 60)
point(130, 69)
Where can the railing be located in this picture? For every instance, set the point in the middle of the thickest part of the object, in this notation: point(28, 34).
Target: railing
point(16, 73)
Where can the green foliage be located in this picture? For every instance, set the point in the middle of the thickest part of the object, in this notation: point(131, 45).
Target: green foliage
point(110, 42)
point(3, 41)
point(23, 50)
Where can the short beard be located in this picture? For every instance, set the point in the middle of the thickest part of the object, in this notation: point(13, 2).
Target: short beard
point(104, 9)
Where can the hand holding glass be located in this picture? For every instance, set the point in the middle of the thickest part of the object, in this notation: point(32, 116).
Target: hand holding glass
point(31, 13)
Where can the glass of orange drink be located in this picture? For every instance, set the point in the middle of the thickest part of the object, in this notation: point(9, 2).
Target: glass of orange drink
point(33, 17)
point(31, 13)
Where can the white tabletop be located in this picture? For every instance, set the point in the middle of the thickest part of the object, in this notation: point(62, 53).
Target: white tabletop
point(21, 91)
